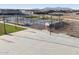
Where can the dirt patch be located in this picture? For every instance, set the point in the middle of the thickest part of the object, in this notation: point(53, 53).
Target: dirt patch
point(71, 29)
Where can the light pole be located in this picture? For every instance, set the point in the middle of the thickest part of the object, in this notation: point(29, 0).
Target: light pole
point(50, 26)
point(4, 25)
point(16, 22)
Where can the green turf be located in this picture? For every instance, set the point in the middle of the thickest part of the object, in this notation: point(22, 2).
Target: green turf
point(9, 28)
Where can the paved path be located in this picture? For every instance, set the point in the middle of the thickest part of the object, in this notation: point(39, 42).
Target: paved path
point(33, 41)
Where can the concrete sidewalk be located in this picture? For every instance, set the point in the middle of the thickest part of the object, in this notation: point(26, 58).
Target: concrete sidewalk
point(33, 41)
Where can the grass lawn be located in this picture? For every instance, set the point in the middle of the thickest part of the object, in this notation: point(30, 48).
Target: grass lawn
point(9, 29)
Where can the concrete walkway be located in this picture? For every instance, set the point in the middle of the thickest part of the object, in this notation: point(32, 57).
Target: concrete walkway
point(33, 41)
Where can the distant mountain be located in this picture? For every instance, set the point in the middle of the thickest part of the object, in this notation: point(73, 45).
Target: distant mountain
point(56, 8)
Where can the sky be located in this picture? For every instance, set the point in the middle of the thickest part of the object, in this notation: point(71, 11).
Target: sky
point(34, 6)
